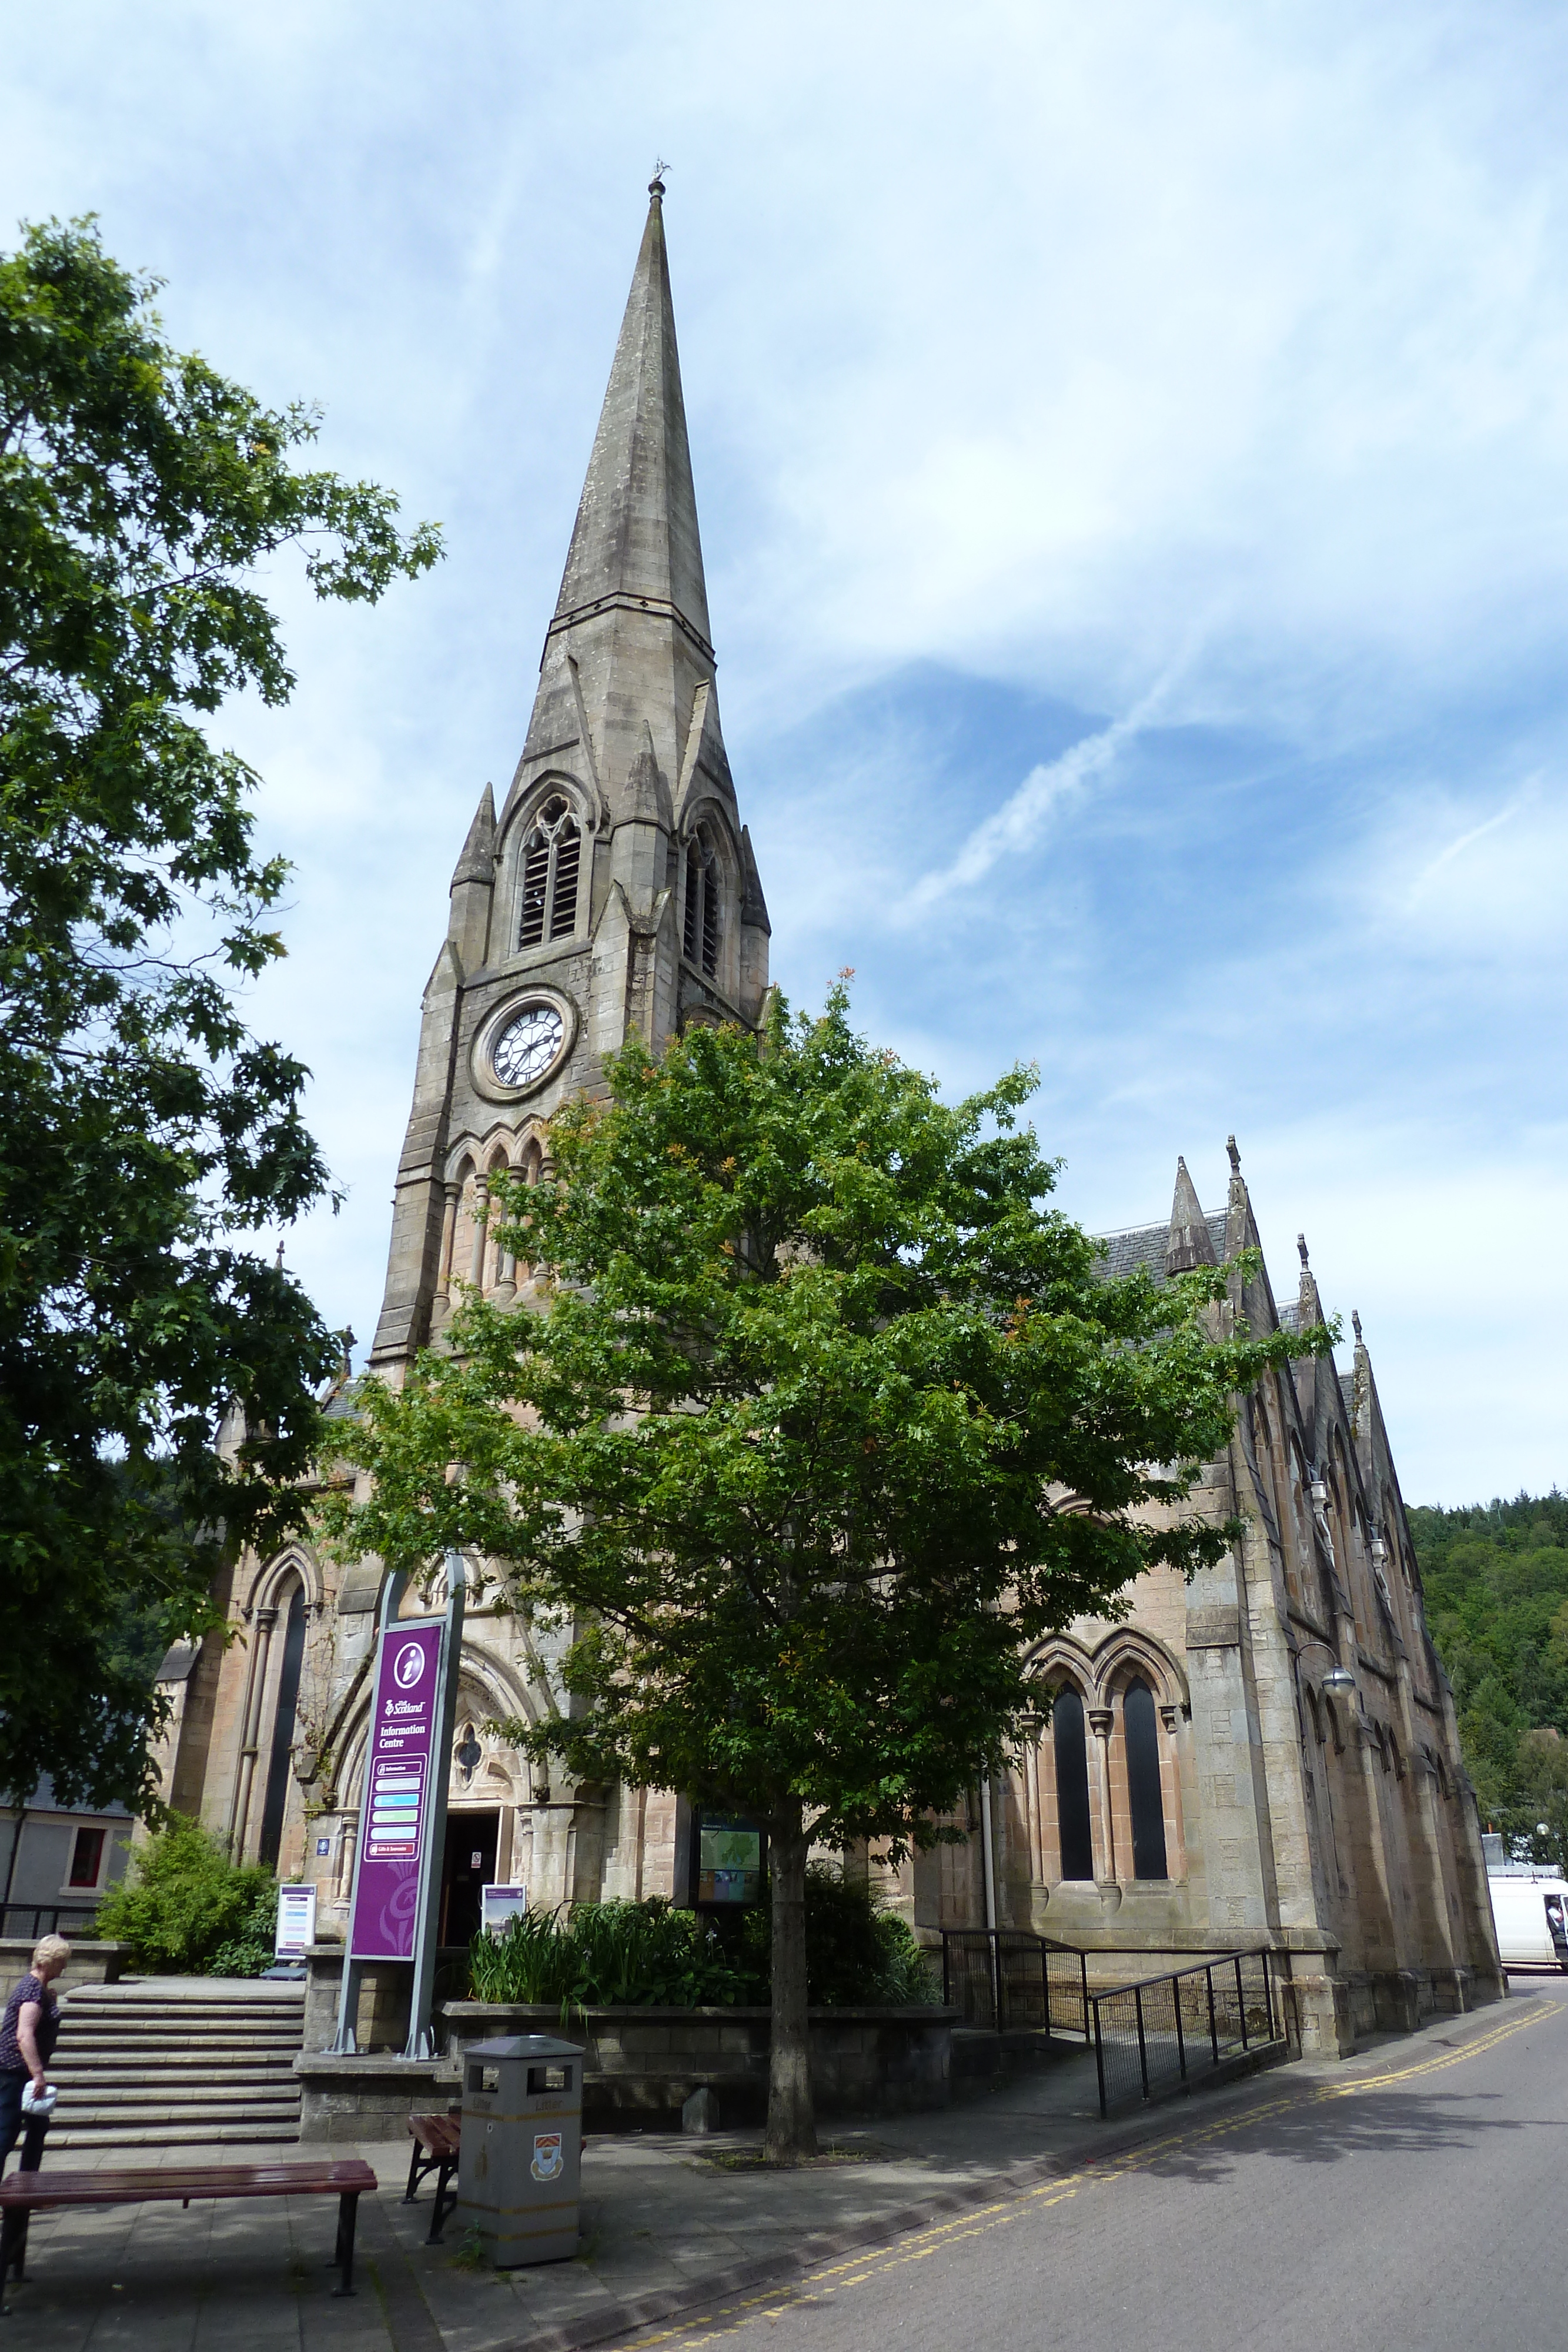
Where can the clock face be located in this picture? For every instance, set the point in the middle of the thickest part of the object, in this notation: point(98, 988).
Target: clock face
point(527, 1045)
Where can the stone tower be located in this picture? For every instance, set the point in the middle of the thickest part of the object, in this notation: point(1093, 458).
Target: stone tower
point(616, 892)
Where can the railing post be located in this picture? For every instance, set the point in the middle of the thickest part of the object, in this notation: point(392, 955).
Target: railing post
point(1213, 2027)
point(1099, 2050)
point(1181, 2038)
point(1241, 2002)
point(1084, 1988)
point(1142, 2045)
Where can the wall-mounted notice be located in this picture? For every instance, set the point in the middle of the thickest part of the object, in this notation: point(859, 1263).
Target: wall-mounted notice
point(395, 1807)
point(499, 1904)
point(296, 1922)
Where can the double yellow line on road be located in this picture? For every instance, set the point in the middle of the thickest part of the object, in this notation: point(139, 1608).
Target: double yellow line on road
point(856, 2270)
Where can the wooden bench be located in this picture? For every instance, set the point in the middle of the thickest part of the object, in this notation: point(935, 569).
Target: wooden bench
point(436, 2141)
point(25, 2193)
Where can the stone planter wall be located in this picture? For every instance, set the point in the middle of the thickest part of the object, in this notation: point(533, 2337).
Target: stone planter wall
point(644, 2064)
point(90, 1962)
point(355, 2099)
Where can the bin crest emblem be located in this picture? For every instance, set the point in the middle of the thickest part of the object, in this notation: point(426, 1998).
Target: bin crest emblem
point(548, 2156)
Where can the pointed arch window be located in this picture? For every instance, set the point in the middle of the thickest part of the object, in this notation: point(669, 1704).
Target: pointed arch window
point(282, 1722)
point(1145, 1797)
point(701, 933)
point(1071, 1758)
point(552, 861)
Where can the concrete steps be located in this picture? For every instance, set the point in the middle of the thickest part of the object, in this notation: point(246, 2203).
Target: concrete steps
point(180, 2062)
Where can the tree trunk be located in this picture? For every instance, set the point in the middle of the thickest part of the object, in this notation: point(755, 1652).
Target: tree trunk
point(791, 2120)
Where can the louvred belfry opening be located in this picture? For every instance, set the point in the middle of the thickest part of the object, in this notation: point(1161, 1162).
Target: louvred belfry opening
point(701, 928)
point(552, 857)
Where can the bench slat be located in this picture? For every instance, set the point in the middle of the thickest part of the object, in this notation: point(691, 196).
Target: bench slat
point(442, 2134)
point(342, 2175)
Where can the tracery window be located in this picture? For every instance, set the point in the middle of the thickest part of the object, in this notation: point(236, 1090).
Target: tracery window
point(1072, 1784)
point(1145, 1799)
point(701, 930)
point(552, 860)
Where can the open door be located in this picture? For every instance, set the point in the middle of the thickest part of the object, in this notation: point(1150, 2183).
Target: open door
point(469, 1862)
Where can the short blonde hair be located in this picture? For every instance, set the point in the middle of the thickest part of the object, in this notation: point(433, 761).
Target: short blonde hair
point(51, 1948)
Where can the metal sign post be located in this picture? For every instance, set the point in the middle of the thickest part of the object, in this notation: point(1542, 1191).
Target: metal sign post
point(393, 1911)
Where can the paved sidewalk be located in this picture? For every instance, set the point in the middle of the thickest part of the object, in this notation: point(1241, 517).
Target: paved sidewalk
point(666, 2220)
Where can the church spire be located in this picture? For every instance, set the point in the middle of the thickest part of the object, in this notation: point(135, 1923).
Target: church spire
point(636, 543)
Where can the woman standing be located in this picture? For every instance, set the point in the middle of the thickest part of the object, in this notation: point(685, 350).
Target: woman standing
point(28, 2032)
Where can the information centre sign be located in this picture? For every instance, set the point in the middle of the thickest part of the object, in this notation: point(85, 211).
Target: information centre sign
point(392, 1914)
point(394, 1817)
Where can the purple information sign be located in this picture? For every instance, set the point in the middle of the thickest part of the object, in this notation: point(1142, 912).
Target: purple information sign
point(396, 1803)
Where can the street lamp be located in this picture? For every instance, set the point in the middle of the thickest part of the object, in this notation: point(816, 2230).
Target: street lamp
point(1338, 1682)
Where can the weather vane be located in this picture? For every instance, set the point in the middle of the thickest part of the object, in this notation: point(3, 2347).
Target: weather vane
point(656, 184)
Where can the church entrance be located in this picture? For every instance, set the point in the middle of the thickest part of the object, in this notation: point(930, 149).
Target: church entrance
point(469, 1861)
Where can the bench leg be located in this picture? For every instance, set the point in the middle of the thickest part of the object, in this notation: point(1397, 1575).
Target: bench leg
point(343, 2258)
point(415, 2174)
point(13, 2241)
point(445, 2199)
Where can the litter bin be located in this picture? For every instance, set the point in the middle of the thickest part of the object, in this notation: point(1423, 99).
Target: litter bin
point(519, 2164)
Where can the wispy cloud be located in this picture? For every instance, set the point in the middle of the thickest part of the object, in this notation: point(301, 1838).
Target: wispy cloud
point(1048, 788)
point(1466, 840)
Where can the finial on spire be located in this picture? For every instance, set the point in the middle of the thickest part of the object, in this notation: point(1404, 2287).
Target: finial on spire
point(277, 1261)
point(1235, 1155)
point(1355, 1323)
point(656, 184)
point(1301, 1250)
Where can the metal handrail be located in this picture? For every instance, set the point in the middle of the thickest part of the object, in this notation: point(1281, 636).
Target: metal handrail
point(1107, 2043)
point(1010, 2004)
point(82, 1916)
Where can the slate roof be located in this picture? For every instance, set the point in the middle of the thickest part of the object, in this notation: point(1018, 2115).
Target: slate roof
point(1146, 1245)
point(44, 1800)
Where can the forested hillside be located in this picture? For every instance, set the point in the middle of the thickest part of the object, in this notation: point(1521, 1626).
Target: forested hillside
point(1496, 1600)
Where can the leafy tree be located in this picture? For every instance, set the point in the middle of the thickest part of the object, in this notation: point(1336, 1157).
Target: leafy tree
point(829, 1418)
point(143, 1131)
point(1496, 1580)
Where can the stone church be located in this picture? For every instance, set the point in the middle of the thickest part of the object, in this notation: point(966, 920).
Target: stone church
point(1189, 1785)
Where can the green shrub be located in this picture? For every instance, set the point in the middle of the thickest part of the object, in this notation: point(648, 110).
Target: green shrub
point(637, 1954)
point(858, 1953)
point(649, 1955)
point(254, 1949)
point(182, 1906)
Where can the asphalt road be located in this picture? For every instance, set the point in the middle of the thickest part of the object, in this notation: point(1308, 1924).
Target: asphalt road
point(1408, 2202)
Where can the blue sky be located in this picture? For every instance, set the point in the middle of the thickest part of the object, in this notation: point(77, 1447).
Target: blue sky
point(1132, 453)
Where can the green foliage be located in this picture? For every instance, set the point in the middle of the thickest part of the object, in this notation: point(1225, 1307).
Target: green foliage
point(254, 1949)
point(818, 1353)
point(648, 1955)
point(640, 1955)
point(186, 1910)
point(143, 1131)
point(1496, 1580)
point(858, 1953)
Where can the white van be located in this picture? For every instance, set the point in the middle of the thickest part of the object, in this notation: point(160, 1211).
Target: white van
point(1531, 1916)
